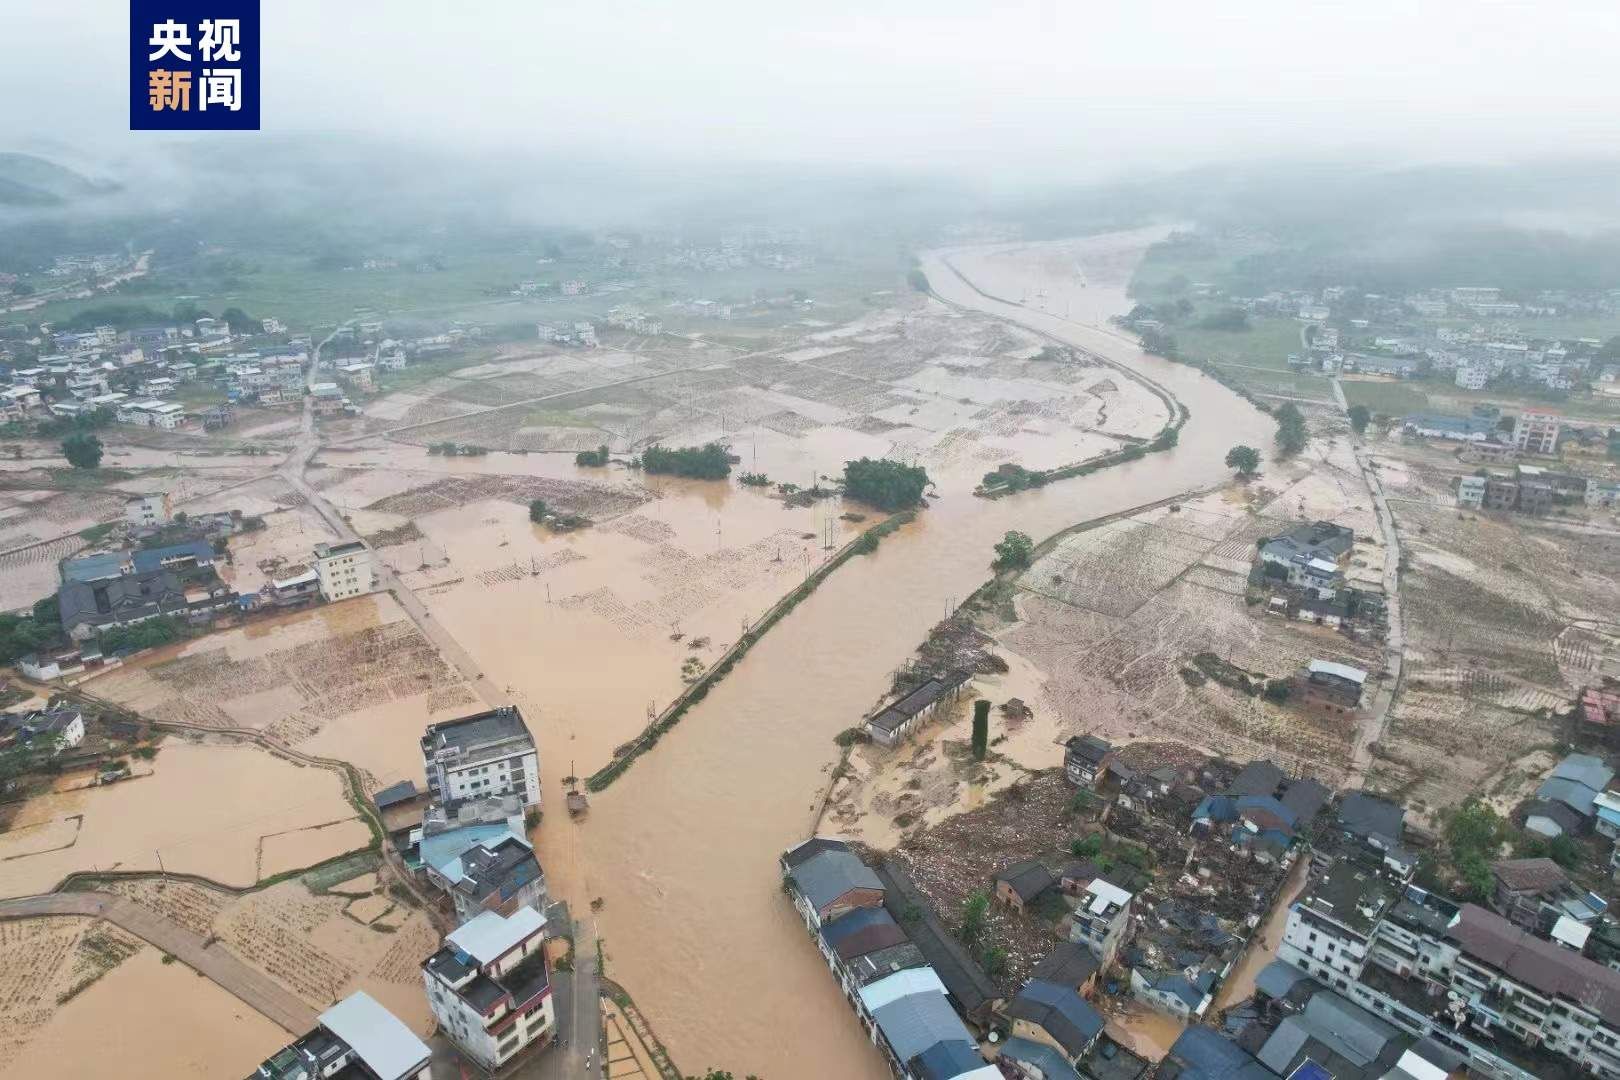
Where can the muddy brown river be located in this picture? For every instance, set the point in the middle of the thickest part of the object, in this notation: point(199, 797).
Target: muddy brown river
point(682, 851)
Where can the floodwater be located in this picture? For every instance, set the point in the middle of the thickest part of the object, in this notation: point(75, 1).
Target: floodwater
point(132, 825)
point(147, 1020)
point(682, 851)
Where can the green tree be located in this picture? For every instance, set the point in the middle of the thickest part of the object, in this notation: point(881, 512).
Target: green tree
point(82, 450)
point(1291, 434)
point(885, 484)
point(1015, 552)
point(1245, 459)
point(537, 510)
point(1359, 415)
point(1086, 847)
point(711, 461)
point(994, 961)
point(981, 728)
point(974, 910)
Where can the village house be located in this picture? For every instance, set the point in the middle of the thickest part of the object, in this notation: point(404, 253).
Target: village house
point(1084, 759)
point(1533, 894)
point(486, 754)
point(1049, 1013)
point(1471, 492)
point(344, 570)
point(1330, 929)
point(354, 1038)
point(51, 731)
point(1565, 801)
point(1174, 993)
point(1022, 883)
point(1071, 966)
point(490, 989)
point(87, 608)
point(1431, 425)
point(890, 725)
point(1334, 684)
point(827, 880)
point(1309, 557)
point(298, 589)
point(1101, 920)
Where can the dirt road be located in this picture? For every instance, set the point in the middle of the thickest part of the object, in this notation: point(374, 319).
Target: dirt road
point(208, 959)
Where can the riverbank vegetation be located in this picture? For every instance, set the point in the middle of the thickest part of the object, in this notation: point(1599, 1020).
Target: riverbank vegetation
point(885, 483)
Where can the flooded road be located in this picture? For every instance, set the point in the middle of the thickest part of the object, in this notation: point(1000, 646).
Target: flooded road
point(682, 852)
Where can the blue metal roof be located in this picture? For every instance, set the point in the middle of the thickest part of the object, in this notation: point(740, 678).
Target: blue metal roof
point(151, 559)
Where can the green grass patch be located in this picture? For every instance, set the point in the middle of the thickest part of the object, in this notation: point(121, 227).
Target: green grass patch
point(1267, 344)
point(1389, 398)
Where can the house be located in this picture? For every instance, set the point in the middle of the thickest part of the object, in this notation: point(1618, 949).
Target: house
point(1200, 1053)
point(1084, 759)
point(357, 375)
point(1340, 1038)
point(1101, 920)
point(827, 879)
point(918, 1032)
point(394, 795)
point(151, 509)
point(180, 558)
point(890, 725)
point(1329, 932)
point(489, 987)
point(1030, 1060)
point(1283, 988)
point(500, 877)
point(285, 592)
point(354, 1038)
point(1309, 557)
point(488, 753)
point(97, 567)
point(344, 569)
point(1537, 432)
point(1534, 894)
point(1069, 965)
point(1022, 883)
point(1334, 683)
point(1471, 492)
point(1174, 992)
point(87, 608)
point(1574, 784)
point(1048, 1013)
point(1432, 425)
point(51, 730)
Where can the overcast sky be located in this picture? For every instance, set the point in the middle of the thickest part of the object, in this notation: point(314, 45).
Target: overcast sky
point(1052, 89)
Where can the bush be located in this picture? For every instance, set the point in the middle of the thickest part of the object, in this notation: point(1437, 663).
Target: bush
point(1015, 552)
point(755, 479)
point(82, 450)
point(594, 458)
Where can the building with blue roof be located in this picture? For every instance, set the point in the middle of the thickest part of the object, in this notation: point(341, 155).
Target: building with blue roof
point(909, 1025)
point(1037, 1058)
point(949, 1059)
point(1056, 1015)
point(177, 557)
point(1199, 1053)
point(87, 568)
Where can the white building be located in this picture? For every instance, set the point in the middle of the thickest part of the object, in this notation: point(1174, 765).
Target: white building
point(151, 509)
point(489, 987)
point(1330, 929)
point(1473, 376)
point(490, 753)
point(1101, 920)
point(1536, 432)
point(1471, 492)
point(345, 570)
point(355, 1037)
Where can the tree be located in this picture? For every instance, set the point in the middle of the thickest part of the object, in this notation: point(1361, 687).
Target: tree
point(537, 510)
point(1245, 459)
point(82, 450)
point(885, 484)
point(1290, 429)
point(981, 728)
point(974, 910)
point(711, 461)
point(597, 457)
point(1359, 415)
point(1015, 552)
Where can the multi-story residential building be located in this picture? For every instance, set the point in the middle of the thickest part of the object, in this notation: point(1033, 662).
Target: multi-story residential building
point(1084, 759)
point(1309, 556)
point(345, 570)
point(355, 1038)
point(1101, 920)
point(1536, 432)
point(1471, 492)
point(151, 509)
point(1330, 929)
point(1473, 376)
point(488, 753)
point(826, 879)
point(490, 989)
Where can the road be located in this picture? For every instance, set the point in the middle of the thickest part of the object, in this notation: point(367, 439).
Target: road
point(1376, 717)
point(259, 991)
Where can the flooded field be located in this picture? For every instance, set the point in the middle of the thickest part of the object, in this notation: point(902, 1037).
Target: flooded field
point(356, 681)
point(682, 852)
point(231, 813)
point(120, 990)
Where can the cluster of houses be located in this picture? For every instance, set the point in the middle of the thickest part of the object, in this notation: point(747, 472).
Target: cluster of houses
point(489, 983)
point(922, 1000)
point(581, 334)
point(137, 374)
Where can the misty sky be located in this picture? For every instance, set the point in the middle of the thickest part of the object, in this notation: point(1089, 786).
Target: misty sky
point(1064, 88)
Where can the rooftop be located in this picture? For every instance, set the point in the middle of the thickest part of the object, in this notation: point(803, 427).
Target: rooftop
point(496, 730)
point(1490, 939)
point(387, 1046)
point(898, 712)
point(1064, 1014)
point(826, 876)
point(1336, 670)
point(1351, 896)
point(1028, 879)
point(1529, 875)
point(489, 936)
